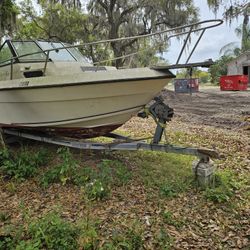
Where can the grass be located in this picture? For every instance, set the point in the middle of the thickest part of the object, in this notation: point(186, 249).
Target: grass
point(111, 208)
point(48, 232)
point(224, 187)
point(170, 174)
point(129, 238)
point(23, 164)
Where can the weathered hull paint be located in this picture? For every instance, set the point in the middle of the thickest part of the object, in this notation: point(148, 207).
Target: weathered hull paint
point(75, 133)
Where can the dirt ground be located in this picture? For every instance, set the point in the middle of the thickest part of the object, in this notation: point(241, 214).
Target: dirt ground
point(212, 107)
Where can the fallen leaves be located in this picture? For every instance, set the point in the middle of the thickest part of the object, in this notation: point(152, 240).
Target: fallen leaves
point(195, 223)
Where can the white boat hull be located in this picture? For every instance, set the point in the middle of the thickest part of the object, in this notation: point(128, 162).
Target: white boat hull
point(86, 108)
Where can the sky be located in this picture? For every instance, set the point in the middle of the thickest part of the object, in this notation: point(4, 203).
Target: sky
point(212, 41)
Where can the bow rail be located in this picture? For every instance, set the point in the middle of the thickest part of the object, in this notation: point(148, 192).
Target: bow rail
point(174, 32)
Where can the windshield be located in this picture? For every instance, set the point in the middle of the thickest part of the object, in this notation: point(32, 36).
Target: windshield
point(5, 54)
point(56, 55)
point(77, 54)
point(28, 47)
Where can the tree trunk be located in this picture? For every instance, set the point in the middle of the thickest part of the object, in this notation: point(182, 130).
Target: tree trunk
point(245, 31)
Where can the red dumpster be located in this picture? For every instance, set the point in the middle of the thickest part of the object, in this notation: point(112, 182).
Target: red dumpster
point(233, 82)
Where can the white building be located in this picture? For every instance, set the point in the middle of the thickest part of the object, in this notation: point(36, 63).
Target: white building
point(240, 65)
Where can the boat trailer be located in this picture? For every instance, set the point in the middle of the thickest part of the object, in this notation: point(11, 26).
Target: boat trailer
point(203, 167)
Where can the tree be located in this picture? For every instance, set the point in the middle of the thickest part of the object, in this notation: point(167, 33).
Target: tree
point(232, 48)
point(119, 18)
point(203, 76)
point(233, 10)
point(108, 19)
point(57, 22)
point(8, 13)
point(219, 68)
point(66, 3)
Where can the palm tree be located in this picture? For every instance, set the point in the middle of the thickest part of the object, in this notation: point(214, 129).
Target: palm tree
point(244, 32)
point(233, 48)
point(233, 11)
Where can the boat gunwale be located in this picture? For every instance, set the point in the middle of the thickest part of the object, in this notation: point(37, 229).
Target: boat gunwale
point(108, 81)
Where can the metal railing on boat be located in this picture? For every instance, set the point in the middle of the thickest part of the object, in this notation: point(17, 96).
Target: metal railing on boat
point(174, 32)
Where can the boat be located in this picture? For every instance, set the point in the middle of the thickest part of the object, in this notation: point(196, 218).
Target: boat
point(72, 97)
point(51, 88)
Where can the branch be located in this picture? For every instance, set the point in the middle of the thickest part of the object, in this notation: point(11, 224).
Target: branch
point(128, 44)
point(112, 5)
point(104, 6)
point(129, 10)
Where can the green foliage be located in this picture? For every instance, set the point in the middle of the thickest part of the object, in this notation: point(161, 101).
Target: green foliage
point(169, 219)
point(8, 13)
point(204, 76)
point(172, 189)
point(115, 172)
point(48, 232)
point(6, 242)
point(96, 190)
point(219, 68)
point(224, 188)
point(5, 54)
point(4, 216)
point(23, 164)
point(97, 183)
point(53, 233)
point(160, 173)
point(163, 240)
point(56, 22)
point(63, 172)
point(115, 19)
point(62, 20)
point(129, 239)
point(89, 236)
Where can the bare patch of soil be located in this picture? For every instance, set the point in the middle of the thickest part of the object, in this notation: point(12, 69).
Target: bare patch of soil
point(212, 107)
